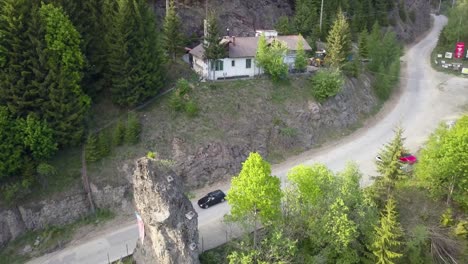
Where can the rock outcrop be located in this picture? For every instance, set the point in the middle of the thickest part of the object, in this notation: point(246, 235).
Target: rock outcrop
point(171, 224)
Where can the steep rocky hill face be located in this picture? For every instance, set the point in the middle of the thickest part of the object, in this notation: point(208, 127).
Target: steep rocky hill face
point(170, 222)
point(243, 17)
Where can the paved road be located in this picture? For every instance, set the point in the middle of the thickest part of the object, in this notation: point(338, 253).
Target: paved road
point(426, 98)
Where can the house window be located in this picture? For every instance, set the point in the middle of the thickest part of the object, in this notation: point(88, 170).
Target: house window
point(248, 63)
point(233, 63)
point(217, 65)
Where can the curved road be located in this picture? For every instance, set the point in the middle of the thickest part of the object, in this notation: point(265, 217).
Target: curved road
point(426, 98)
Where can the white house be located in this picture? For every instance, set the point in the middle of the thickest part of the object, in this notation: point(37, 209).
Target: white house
point(240, 62)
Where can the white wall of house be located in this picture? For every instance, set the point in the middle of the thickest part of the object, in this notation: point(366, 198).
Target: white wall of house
point(232, 67)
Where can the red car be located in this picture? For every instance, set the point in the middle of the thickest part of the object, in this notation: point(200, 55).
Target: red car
point(408, 159)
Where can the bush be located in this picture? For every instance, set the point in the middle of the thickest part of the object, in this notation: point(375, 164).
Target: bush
point(325, 84)
point(446, 219)
point(191, 109)
point(104, 144)
point(352, 68)
point(132, 133)
point(151, 155)
point(91, 148)
point(176, 102)
point(119, 134)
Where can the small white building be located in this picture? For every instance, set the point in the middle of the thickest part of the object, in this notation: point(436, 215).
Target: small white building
point(240, 62)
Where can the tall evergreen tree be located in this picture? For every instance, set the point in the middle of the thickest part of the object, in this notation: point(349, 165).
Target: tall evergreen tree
point(211, 44)
point(135, 62)
point(67, 105)
point(381, 11)
point(17, 91)
point(301, 61)
point(306, 16)
point(362, 46)
point(172, 31)
point(387, 235)
point(389, 165)
point(11, 148)
point(339, 41)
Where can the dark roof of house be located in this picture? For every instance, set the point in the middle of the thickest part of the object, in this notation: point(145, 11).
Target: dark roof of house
point(241, 47)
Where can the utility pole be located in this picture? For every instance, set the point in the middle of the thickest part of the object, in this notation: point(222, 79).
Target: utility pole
point(321, 13)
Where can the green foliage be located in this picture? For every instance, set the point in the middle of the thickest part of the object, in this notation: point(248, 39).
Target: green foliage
point(133, 130)
point(118, 134)
point(306, 17)
point(213, 50)
point(312, 183)
point(339, 42)
point(446, 219)
point(284, 26)
point(173, 39)
point(363, 45)
point(104, 143)
point(275, 248)
point(68, 104)
point(325, 84)
point(390, 167)
point(387, 235)
point(271, 58)
point(135, 69)
point(417, 246)
point(300, 63)
point(91, 148)
point(11, 148)
point(151, 155)
point(462, 229)
point(443, 163)
point(352, 68)
point(38, 138)
point(255, 191)
point(191, 108)
point(255, 195)
point(177, 102)
point(44, 170)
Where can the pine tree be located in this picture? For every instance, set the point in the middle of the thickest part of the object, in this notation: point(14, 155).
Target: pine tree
point(381, 11)
point(119, 134)
point(17, 52)
point(67, 103)
point(387, 235)
point(362, 46)
point(213, 50)
point(132, 133)
point(300, 63)
point(339, 41)
point(11, 148)
point(92, 149)
point(103, 144)
point(37, 137)
point(135, 63)
point(306, 16)
point(172, 31)
point(389, 165)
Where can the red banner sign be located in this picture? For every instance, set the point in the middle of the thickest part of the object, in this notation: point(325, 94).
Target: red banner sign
point(459, 50)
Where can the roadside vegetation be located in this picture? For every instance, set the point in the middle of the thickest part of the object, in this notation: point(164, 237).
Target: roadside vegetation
point(455, 31)
point(37, 243)
point(322, 216)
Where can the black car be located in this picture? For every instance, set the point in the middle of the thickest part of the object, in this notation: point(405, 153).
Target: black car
point(212, 198)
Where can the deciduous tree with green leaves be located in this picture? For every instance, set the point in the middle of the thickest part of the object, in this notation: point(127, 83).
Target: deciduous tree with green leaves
point(339, 41)
point(388, 236)
point(326, 83)
point(38, 138)
point(443, 163)
point(255, 195)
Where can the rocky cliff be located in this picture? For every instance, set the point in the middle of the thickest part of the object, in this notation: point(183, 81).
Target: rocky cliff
point(171, 225)
point(243, 17)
